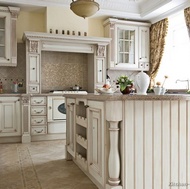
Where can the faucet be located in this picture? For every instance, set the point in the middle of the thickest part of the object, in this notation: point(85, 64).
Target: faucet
point(185, 80)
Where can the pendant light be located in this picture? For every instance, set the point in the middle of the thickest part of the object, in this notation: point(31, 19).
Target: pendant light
point(84, 8)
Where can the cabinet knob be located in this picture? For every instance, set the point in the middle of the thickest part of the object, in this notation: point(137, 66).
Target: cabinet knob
point(72, 103)
point(8, 59)
point(33, 68)
point(86, 106)
point(100, 70)
point(50, 108)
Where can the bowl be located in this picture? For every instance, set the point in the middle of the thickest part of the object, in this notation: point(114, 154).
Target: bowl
point(106, 91)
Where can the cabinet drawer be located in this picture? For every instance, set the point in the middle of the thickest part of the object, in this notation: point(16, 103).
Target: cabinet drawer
point(39, 130)
point(38, 120)
point(34, 88)
point(38, 100)
point(41, 110)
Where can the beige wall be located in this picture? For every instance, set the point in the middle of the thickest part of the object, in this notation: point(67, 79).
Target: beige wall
point(30, 21)
point(57, 18)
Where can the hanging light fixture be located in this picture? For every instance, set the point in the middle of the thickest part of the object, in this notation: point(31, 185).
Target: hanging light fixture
point(84, 8)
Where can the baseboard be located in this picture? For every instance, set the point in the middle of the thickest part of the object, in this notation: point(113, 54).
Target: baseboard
point(48, 137)
point(10, 139)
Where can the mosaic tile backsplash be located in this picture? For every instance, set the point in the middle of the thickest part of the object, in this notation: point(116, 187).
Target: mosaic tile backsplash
point(8, 75)
point(62, 70)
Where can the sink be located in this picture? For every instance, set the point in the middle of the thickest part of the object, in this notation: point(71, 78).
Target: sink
point(178, 91)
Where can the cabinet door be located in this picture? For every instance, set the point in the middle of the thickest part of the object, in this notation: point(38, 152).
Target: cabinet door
point(95, 140)
point(100, 71)
point(5, 56)
point(10, 112)
point(70, 126)
point(33, 73)
point(126, 47)
point(144, 44)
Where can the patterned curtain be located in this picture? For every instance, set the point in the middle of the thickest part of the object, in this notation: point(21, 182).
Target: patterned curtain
point(158, 32)
point(187, 18)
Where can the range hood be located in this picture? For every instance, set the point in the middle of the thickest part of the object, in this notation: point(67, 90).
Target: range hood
point(64, 43)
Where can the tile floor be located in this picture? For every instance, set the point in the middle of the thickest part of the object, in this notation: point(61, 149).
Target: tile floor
point(39, 165)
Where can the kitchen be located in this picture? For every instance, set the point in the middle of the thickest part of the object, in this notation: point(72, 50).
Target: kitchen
point(41, 84)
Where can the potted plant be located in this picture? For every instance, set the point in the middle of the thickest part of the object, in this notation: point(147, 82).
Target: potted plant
point(126, 84)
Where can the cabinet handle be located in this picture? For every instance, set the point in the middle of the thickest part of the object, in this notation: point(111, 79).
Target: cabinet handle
point(38, 112)
point(38, 102)
point(86, 106)
point(38, 131)
point(72, 103)
point(38, 121)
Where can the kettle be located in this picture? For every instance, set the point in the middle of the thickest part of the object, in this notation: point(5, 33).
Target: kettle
point(142, 81)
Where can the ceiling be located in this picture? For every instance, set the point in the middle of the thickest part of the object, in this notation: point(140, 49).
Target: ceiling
point(149, 10)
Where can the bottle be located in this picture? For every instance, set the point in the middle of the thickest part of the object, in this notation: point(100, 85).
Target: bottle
point(1, 87)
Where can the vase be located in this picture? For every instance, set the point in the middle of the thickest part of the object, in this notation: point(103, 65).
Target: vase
point(127, 90)
point(142, 81)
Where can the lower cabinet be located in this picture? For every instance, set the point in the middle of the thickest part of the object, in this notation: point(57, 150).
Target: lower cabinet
point(38, 115)
point(85, 136)
point(70, 124)
point(96, 151)
point(10, 116)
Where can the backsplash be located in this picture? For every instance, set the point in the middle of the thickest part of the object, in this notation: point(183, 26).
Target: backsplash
point(62, 70)
point(10, 74)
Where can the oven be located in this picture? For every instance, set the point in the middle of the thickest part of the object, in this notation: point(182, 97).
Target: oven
point(56, 114)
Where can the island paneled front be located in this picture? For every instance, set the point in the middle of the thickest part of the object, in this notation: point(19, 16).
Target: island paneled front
point(130, 141)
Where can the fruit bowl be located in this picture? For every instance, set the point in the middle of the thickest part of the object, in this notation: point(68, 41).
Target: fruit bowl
point(106, 91)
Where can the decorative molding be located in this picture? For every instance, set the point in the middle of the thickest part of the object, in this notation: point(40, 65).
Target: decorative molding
point(33, 46)
point(25, 99)
point(101, 51)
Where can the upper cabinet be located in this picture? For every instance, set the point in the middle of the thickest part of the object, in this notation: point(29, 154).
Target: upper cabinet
point(129, 48)
point(8, 40)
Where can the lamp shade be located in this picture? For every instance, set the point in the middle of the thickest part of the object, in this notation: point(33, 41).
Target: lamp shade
point(84, 8)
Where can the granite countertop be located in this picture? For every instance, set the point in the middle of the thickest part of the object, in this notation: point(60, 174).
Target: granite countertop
point(114, 97)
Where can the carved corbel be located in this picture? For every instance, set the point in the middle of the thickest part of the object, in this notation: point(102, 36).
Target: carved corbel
point(33, 46)
point(101, 51)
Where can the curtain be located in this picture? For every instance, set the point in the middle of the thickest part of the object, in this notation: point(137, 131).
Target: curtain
point(158, 32)
point(187, 18)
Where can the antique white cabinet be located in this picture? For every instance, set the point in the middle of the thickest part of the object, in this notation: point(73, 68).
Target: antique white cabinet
point(129, 48)
point(33, 78)
point(38, 112)
point(85, 135)
point(70, 122)
point(10, 116)
point(8, 41)
point(96, 151)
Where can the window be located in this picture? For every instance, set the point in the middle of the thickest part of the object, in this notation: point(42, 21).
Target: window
point(176, 58)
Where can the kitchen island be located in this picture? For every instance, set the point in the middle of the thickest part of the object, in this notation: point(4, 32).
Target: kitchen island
point(130, 141)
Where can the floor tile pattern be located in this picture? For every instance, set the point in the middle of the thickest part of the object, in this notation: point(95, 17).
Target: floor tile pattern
point(39, 165)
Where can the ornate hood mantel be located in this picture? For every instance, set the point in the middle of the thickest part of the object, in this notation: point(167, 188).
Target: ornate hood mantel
point(62, 43)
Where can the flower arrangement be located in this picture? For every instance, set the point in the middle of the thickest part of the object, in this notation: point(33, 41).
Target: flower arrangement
point(124, 81)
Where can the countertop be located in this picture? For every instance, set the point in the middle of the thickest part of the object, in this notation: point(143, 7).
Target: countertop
point(115, 97)
point(108, 97)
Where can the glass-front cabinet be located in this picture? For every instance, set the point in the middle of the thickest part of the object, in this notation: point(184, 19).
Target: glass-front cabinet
point(8, 42)
point(129, 48)
point(126, 46)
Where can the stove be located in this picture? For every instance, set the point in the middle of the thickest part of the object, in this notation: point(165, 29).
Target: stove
point(68, 92)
